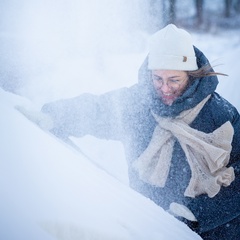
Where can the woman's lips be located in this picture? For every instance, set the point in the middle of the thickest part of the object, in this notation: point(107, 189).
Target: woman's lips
point(167, 96)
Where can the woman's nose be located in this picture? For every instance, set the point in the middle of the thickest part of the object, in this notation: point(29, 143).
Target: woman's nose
point(165, 87)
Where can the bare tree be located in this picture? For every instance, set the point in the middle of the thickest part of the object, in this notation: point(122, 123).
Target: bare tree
point(199, 11)
point(172, 11)
point(237, 6)
point(228, 4)
point(156, 14)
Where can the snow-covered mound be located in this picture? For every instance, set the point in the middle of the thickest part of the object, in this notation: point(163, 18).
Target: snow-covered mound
point(48, 191)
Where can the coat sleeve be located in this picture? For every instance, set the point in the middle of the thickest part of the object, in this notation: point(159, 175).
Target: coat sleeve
point(100, 116)
point(225, 206)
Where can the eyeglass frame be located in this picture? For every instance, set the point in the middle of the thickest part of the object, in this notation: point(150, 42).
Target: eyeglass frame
point(169, 79)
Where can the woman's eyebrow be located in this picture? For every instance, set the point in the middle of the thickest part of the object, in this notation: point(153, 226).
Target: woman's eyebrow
point(155, 75)
point(174, 76)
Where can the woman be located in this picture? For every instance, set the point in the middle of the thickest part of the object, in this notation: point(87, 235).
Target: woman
point(181, 138)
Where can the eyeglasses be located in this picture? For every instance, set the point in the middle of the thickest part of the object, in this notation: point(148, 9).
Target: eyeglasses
point(173, 83)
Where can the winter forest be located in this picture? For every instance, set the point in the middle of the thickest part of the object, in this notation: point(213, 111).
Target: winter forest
point(57, 35)
point(52, 50)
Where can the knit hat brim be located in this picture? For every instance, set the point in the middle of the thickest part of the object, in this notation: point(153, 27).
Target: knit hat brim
point(170, 62)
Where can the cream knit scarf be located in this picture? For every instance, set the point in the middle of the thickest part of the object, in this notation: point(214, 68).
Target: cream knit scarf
point(207, 153)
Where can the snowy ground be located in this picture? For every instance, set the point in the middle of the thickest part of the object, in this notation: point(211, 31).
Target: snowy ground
point(48, 191)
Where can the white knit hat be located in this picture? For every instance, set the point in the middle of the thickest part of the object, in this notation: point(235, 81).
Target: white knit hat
point(171, 48)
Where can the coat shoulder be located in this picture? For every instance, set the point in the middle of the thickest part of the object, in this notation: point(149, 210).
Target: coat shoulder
point(215, 113)
point(223, 110)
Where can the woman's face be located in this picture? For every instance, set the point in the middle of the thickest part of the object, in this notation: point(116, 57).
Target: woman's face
point(169, 84)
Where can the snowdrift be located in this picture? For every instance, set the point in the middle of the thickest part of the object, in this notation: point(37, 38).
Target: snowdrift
point(48, 191)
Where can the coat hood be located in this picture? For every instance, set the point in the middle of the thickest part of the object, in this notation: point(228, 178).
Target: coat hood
point(195, 93)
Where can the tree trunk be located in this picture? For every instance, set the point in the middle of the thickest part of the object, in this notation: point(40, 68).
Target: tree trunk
point(199, 11)
point(237, 6)
point(155, 8)
point(172, 12)
point(227, 8)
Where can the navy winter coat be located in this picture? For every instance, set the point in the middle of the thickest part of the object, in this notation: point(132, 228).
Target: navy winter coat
point(124, 115)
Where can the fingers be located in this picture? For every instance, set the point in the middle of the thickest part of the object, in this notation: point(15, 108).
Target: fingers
point(43, 120)
point(181, 211)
